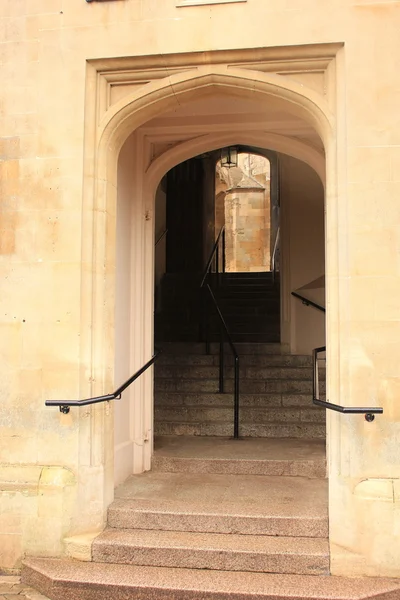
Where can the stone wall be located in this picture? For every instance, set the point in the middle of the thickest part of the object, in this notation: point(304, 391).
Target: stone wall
point(64, 117)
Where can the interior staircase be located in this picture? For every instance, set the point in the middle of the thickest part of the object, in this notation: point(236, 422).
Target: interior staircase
point(249, 302)
point(275, 393)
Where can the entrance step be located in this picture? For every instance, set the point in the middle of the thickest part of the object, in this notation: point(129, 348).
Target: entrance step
point(226, 504)
point(242, 348)
point(288, 457)
point(263, 554)
point(256, 430)
point(265, 400)
point(70, 580)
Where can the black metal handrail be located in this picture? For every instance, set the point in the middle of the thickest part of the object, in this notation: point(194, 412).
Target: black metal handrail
point(274, 253)
point(64, 405)
point(308, 302)
point(354, 410)
point(215, 254)
point(224, 332)
point(164, 233)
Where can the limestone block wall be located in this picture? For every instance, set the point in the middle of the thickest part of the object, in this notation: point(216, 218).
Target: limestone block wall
point(247, 221)
point(303, 241)
point(49, 345)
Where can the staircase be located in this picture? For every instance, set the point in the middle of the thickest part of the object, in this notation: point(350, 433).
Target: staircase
point(213, 520)
point(249, 302)
point(217, 518)
point(275, 393)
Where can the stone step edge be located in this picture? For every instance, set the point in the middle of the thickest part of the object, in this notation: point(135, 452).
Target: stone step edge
point(310, 469)
point(70, 580)
point(229, 552)
point(131, 514)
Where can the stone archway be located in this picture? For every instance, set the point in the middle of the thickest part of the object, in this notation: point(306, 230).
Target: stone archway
point(105, 139)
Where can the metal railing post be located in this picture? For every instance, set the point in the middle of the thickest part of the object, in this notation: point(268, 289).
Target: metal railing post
point(221, 360)
point(223, 252)
point(236, 401)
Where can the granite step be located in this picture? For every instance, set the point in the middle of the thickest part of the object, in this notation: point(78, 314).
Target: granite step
point(253, 372)
point(222, 503)
point(267, 360)
point(182, 348)
point(222, 414)
point(247, 386)
point(262, 554)
point(247, 456)
point(204, 399)
point(256, 430)
point(65, 579)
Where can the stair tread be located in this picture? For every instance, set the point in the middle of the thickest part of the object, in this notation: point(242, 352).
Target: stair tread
point(264, 544)
point(216, 448)
point(73, 579)
point(224, 495)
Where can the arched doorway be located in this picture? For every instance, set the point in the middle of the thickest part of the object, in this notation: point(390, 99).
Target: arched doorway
point(111, 124)
point(202, 122)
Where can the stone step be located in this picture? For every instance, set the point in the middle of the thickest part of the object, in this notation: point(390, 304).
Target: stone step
point(256, 312)
point(205, 399)
point(242, 348)
point(212, 503)
point(257, 430)
point(264, 360)
point(233, 319)
point(249, 456)
point(254, 372)
point(220, 414)
point(250, 337)
point(251, 553)
point(247, 386)
point(66, 579)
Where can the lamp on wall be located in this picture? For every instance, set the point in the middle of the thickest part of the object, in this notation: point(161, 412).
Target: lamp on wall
point(229, 157)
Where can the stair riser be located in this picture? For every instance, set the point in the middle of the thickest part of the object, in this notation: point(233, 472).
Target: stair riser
point(307, 468)
point(254, 360)
point(191, 558)
point(303, 431)
point(176, 399)
point(243, 348)
point(208, 523)
point(246, 386)
point(247, 372)
point(247, 415)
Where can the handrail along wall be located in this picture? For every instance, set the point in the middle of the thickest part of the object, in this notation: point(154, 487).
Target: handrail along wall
point(369, 412)
point(64, 405)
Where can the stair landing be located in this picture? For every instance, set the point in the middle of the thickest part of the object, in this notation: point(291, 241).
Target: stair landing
point(254, 456)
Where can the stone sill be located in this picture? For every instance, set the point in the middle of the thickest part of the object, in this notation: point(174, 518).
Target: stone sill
point(182, 3)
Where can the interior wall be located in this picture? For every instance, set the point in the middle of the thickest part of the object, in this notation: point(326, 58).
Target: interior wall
point(160, 217)
point(185, 217)
point(123, 435)
point(303, 249)
point(209, 232)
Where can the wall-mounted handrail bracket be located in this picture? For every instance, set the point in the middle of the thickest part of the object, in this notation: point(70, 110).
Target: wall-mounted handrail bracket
point(368, 412)
point(308, 302)
point(65, 405)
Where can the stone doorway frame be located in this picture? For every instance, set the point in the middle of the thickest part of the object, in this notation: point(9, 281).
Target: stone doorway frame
point(121, 95)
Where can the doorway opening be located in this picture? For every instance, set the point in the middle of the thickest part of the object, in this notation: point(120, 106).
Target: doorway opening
point(168, 187)
point(196, 202)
